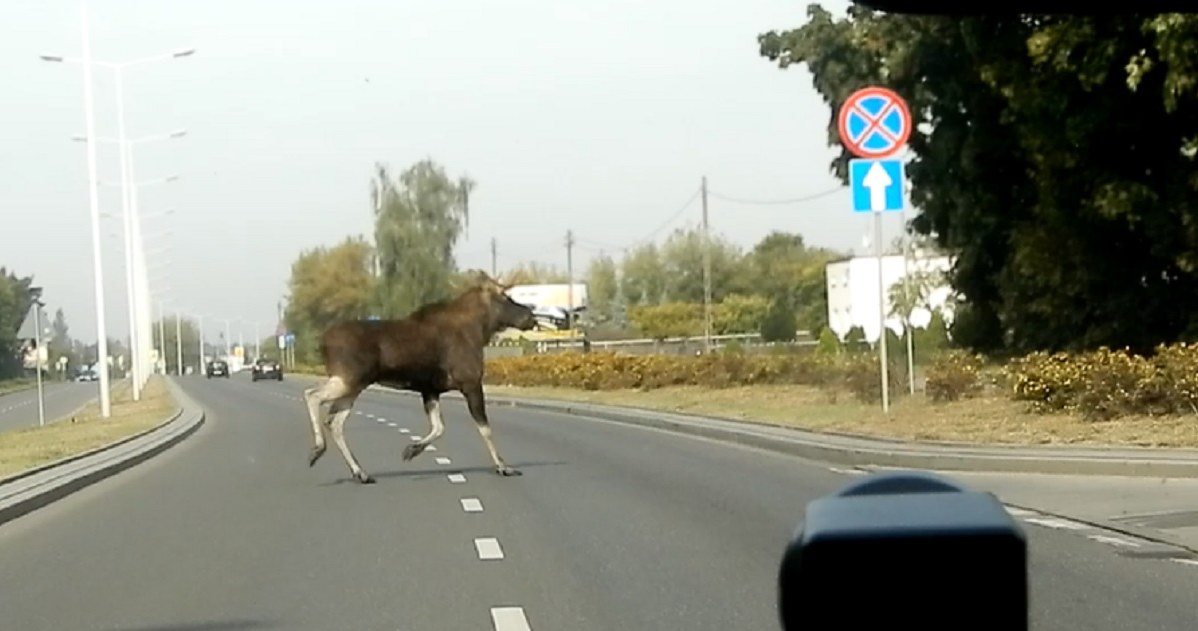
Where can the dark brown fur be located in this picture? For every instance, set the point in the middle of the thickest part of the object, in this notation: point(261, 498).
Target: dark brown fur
point(437, 348)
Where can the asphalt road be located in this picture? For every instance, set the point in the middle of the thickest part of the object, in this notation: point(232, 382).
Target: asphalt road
point(19, 409)
point(611, 527)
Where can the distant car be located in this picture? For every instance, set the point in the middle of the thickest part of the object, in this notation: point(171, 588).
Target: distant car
point(266, 369)
point(87, 375)
point(218, 368)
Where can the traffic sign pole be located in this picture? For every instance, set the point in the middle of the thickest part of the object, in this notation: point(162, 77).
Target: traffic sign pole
point(874, 124)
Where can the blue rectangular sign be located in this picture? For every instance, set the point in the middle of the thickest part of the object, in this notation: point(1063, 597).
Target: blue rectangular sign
point(877, 185)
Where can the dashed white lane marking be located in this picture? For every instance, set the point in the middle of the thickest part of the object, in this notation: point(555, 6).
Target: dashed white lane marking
point(368, 415)
point(1053, 522)
point(1117, 541)
point(431, 448)
point(442, 460)
point(382, 420)
point(488, 549)
point(457, 478)
point(390, 424)
point(404, 430)
point(509, 619)
point(472, 505)
point(413, 438)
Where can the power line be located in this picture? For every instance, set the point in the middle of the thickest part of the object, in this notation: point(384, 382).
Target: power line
point(775, 202)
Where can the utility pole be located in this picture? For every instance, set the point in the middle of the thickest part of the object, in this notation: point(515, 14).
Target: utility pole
point(570, 280)
point(494, 257)
point(706, 273)
point(178, 343)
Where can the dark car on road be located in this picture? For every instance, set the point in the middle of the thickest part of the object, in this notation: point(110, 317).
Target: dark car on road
point(218, 368)
point(267, 369)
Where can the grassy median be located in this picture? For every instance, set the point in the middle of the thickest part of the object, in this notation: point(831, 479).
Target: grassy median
point(26, 448)
point(986, 419)
point(14, 385)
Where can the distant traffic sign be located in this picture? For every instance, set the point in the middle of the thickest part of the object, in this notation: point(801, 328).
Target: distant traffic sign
point(874, 122)
point(877, 185)
point(291, 339)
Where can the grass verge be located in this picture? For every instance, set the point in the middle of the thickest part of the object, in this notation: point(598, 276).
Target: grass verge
point(988, 419)
point(14, 385)
point(23, 449)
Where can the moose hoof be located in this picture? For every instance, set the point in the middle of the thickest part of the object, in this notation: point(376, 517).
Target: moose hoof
point(413, 450)
point(508, 472)
point(363, 477)
point(315, 455)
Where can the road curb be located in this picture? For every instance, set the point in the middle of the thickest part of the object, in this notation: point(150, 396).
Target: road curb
point(34, 488)
point(850, 450)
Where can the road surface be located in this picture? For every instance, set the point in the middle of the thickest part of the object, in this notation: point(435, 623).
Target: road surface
point(611, 527)
point(19, 409)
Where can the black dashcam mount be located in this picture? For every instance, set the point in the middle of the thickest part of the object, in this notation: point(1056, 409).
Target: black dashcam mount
point(905, 549)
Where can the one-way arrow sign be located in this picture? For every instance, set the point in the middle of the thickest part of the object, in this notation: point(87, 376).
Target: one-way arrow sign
point(877, 185)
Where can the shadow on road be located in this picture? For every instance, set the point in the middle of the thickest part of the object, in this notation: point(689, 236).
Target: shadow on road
point(441, 472)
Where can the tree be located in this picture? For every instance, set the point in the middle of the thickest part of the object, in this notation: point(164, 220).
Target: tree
point(739, 313)
point(328, 285)
point(644, 279)
point(14, 305)
point(1054, 161)
point(779, 324)
point(190, 337)
point(783, 269)
point(673, 319)
point(535, 273)
point(418, 221)
point(61, 344)
point(602, 290)
point(682, 266)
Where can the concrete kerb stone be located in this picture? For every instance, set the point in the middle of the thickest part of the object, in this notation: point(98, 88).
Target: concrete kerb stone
point(34, 488)
point(863, 452)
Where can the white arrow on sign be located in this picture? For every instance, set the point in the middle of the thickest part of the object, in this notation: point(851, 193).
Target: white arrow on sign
point(877, 181)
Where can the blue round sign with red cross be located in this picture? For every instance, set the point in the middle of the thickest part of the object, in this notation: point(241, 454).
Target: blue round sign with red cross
point(874, 122)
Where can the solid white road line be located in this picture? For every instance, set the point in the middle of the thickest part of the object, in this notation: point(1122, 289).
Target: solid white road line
point(472, 505)
point(1053, 522)
point(509, 619)
point(488, 549)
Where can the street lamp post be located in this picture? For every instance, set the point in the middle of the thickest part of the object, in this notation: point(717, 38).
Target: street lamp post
point(128, 198)
point(94, 206)
point(36, 294)
point(178, 344)
point(127, 189)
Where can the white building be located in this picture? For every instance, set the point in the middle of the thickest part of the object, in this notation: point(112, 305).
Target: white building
point(853, 293)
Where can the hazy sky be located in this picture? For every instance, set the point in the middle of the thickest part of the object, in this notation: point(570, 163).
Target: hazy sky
point(596, 117)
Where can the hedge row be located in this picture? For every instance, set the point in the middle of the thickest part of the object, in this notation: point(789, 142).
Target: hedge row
point(604, 370)
point(1106, 384)
point(1098, 385)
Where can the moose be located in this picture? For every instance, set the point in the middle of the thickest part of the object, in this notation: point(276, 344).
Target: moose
point(435, 349)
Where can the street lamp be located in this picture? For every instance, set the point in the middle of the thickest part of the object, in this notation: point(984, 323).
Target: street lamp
point(128, 198)
point(36, 294)
point(94, 207)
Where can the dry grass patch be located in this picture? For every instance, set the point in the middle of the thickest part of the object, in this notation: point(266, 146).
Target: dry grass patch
point(990, 419)
point(26, 448)
point(14, 385)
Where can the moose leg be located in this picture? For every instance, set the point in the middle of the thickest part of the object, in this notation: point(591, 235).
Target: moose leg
point(432, 409)
point(478, 410)
point(340, 410)
point(314, 397)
